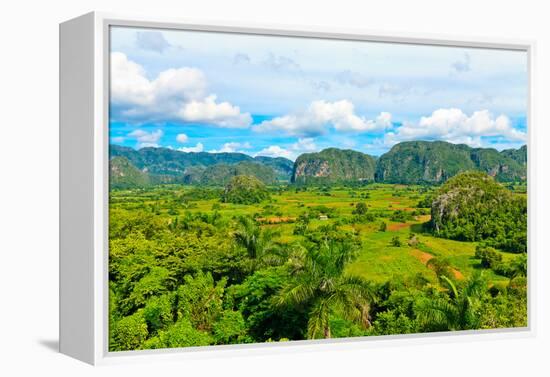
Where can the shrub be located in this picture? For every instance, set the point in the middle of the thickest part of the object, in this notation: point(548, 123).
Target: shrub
point(441, 267)
point(362, 219)
point(488, 256)
point(360, 209)
point(401, 216)
point(395, 241)
point(129, 333)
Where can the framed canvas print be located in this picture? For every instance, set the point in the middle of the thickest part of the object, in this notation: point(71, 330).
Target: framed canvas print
point(234, 187)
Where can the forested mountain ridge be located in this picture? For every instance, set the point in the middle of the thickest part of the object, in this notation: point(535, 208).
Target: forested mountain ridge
point(334, 165)
point(519, 155)
point(414, 162)
point(173, 162)
point(283, 167)
point(164, 165)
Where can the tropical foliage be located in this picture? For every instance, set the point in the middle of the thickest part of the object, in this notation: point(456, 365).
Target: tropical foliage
point(473, 207)
point(250, 262)
point(243, 189)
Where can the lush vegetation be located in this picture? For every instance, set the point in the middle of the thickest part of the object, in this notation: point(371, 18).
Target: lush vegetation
point(416, 162)
point(245, 189)
point(250, 262)
point(473, 207)
point(221, 174)
point(333, 166)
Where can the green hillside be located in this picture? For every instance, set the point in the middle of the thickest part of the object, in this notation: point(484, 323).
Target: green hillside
point(415, 162)
point(122, 174)
point(332, 166)
point(519, 155)
point(221, 174)
point(473, 207)
point(283, 166)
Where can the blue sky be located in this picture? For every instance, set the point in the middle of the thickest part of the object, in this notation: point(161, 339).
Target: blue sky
point(282, 96)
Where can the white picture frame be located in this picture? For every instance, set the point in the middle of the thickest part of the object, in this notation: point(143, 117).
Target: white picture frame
point(84, 103)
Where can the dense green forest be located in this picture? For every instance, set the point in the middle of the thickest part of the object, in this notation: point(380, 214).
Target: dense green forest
point(262, 260)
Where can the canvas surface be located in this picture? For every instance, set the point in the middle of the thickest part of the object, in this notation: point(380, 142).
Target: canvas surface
point(267, 189)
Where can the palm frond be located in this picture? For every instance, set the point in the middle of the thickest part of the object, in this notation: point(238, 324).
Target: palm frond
point(476, 285)
point(318, 324)
point(451, 285)
point(298, 292)
point(437, 313)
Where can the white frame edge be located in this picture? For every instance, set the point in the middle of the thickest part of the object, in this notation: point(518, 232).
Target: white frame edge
point(84, 106)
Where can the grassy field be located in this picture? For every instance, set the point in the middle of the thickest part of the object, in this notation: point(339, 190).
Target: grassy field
point(378, 261)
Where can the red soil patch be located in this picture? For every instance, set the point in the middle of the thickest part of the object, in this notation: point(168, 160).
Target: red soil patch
point(396, 227)
point(458, 275)
point(425, 258)
point(421, 256)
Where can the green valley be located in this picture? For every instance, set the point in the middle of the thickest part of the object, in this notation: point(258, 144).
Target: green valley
point(256, 258)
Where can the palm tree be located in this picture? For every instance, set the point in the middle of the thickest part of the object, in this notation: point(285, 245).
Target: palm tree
point(319, 285)
point(458, 310)
point(259, 243)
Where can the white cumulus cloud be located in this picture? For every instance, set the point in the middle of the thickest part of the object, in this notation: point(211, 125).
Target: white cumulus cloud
point(199, 147)
point(118, 139)
point(275, 151)
point(174, 95)
point(320, 115)
point(232, 147)
point(182, 138)
point(146, 139)
point(304, 145)
point(222, 114)
point(453, 125)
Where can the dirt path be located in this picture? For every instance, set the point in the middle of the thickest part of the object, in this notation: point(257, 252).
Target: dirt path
point(424, 257)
